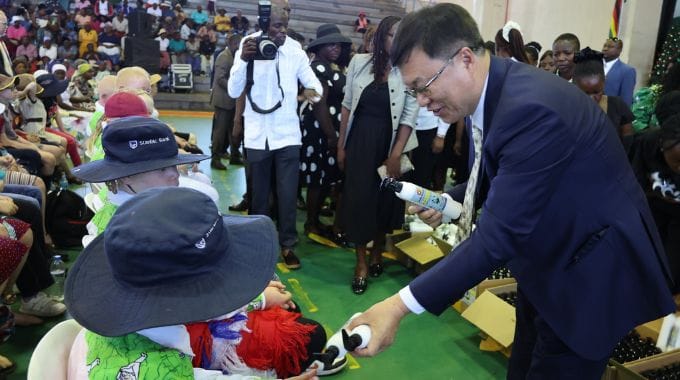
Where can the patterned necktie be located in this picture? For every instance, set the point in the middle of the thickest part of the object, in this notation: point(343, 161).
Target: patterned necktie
point(467, 214)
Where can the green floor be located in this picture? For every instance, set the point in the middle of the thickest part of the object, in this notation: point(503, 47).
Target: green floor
point(427, 347)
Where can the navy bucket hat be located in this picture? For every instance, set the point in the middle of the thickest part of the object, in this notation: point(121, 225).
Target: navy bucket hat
point(134, 145)
point(166, 258)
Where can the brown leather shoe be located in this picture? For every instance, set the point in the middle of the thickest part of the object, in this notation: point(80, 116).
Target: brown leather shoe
point(289, 259)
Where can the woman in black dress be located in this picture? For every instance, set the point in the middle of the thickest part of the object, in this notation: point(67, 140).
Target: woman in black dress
point(377, 119)
point(655, 158)
point(589, 77)
point(321, 122)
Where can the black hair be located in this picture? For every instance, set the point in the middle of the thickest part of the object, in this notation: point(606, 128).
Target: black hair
point(547, 53)
point(569, 37)
point(515, 46)
point(670, 132)
point(671, 81)
point(381, 57)
point(667, 106)
point(588, 62)
point(533, 49)
point(438, 30)
point(490, 46)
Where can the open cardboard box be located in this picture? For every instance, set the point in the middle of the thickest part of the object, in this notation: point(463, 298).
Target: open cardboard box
point(495, 317)
point(631, 370)
point(470, 296)
point(420, 252)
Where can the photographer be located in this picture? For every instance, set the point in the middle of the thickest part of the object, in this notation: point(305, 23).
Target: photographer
point(272, 135)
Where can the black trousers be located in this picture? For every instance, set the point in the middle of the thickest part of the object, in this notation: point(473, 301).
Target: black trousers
point(424, 160)
point(223, 124)
point(27, 158)
point(538, 353)
point(35, 275)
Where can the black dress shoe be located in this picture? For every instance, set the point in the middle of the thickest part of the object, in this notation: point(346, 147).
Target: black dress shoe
point(242, 206)
point(236, 161)
point(375, 270)
point(289, 259)
point(359, 285)
point(216, 164)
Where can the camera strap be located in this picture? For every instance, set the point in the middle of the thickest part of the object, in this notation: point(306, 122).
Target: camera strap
point(249, 86)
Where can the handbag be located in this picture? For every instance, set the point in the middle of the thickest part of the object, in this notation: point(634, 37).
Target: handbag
point(405, 166)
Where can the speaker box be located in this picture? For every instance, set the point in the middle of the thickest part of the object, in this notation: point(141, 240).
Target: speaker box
point(140, 24)
point(143, 52)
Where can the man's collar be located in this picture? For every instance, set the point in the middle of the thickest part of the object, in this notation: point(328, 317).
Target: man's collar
point(478, 116)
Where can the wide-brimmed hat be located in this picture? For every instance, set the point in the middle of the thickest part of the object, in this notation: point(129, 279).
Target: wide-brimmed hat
point(134, 145)
point(168, 257)
point(24, 80)
point(51, 85)
point(328, 34)
point(7, 82)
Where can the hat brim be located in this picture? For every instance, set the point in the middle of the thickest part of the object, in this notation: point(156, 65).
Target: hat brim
point(54, 89)
point(12, 82)
point(103, 305)
point(329, 39)
point(107, 170)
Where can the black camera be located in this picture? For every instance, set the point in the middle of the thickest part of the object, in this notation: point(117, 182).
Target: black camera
point(266, 48)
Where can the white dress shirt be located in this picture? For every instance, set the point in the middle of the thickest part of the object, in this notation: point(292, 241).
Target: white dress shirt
point(405, 293)
point(427, 120)
point(608, 65)
point(280, 128)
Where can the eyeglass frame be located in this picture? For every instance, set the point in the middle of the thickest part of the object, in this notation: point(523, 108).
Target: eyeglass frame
point(413, 92)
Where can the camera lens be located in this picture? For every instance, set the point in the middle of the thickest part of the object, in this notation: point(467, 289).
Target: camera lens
point(267, 49)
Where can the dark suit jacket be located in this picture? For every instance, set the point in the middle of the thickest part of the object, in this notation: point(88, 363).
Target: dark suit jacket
point(219, 96)
point(563, 210)
point(620, 81)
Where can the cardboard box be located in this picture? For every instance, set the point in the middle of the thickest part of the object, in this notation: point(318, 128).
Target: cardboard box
point(633, 370)
point(495, 317)
point(470, 296)
point(420, 252)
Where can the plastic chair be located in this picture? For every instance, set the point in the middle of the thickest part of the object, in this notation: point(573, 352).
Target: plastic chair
point(51, 355)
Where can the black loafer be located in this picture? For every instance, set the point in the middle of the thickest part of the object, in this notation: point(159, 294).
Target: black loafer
point(243, 206)
point(375, 270)
point(359, 285)
point(289, 259)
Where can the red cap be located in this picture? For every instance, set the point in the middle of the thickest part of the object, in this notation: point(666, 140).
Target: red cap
point(123, 104)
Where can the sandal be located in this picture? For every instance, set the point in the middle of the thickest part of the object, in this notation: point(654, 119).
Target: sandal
point(6, 366)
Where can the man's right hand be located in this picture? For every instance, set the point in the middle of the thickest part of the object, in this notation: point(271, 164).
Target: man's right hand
point(429, 216)
point(248, 49)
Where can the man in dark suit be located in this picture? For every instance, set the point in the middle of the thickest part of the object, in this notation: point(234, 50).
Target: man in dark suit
point(560, 206)
point(223, 119)
point(619, 77)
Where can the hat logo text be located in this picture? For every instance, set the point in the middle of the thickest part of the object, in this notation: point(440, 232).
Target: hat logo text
point(133, 144)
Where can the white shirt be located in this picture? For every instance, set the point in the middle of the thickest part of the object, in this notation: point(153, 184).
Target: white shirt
point(120, 26)
point(104, 7)
point(405, 293)
point(280, 128)
point(51, 52)
point(427, 120)
point(164, 42)
point(156, 12)
point(608, 65)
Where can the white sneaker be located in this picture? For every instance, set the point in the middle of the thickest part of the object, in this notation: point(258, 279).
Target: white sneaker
point(41, 305)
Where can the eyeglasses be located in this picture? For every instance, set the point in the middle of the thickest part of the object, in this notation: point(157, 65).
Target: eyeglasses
point(413, 92)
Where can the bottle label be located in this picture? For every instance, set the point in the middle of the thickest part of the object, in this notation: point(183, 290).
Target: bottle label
point(429, 199)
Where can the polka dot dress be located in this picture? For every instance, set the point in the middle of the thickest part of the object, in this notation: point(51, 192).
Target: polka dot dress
point(11, 250)
point(318, 166)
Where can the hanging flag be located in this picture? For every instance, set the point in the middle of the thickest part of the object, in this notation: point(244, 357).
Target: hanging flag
point(616, 16)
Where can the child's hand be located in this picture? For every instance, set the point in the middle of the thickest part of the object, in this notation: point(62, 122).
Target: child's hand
point(276, 295)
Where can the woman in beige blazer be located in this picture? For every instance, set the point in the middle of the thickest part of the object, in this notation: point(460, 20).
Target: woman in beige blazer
point(375, 129)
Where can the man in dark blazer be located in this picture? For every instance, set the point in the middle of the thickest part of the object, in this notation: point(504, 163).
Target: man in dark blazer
point(560, 206)
point(223, 118)
point(619, 77)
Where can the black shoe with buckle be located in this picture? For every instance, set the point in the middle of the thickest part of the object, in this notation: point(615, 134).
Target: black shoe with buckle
point(289, 259)
point(216, 164)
